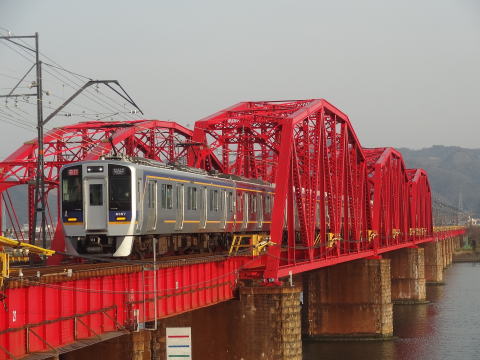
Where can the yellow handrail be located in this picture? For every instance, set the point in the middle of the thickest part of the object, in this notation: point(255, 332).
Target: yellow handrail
point(6, 258)
point(4, 241)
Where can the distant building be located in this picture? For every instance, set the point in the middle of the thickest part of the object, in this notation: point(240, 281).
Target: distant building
point(474, 221)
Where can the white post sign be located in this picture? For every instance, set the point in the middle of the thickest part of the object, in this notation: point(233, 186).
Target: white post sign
point(179, 343)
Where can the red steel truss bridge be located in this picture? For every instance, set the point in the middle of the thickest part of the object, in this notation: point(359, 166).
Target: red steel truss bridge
point(351, 202)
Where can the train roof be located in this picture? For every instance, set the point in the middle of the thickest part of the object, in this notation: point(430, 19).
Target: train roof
point(177, 167)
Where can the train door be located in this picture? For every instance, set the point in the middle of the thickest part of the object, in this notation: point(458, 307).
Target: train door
point(180, 207)
point(151, 199)
point(203, 208)
point(96, 204)
point(245, 211)
point(223, 209)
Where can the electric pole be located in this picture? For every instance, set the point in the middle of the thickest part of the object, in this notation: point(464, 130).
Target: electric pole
point(39, 196)
point(39, 205)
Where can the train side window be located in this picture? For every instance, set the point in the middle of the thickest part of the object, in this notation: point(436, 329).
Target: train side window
point(192, 198)
point(139, 186)
point(151, 194)
point(230, 201)
point(210, 200)
point(268, 206)
point(177, 196)
point(169, 196)
point(213, 200)
point(253, 203)
point(239, 200)
point(202, 204)
point(164, 196)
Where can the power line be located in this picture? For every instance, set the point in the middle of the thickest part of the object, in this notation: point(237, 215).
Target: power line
point(70, 81)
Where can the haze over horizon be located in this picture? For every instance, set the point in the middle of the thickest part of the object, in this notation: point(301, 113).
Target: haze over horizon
point(407, 73)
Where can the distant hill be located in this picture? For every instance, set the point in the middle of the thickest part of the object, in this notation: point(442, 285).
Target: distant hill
point(451, 170)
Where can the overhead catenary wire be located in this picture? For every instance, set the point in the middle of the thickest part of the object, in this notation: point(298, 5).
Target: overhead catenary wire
point(27, 56)
point(59, 75)
point(114, 111)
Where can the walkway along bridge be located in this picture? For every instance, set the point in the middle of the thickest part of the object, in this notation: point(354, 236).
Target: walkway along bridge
point(352, 203)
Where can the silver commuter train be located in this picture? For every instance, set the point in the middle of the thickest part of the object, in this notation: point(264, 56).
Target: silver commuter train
point(116, 207)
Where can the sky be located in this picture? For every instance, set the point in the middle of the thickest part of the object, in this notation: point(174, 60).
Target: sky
point(407, 73)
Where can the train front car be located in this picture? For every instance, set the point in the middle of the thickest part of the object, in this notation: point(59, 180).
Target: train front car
point(97, 207)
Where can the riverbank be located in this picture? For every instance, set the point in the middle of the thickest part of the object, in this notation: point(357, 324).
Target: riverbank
point(466, 256)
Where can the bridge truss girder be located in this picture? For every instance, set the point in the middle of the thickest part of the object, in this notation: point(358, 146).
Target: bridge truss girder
point(307, 148)
point(152, 139)
point(334, 200)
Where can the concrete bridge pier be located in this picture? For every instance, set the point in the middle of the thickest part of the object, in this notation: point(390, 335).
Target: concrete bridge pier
point(352, 299)
point(456, 243)
point(433, 262)
point(448, 251)
point(408, 275)
point(271, 321)
point(445, 253)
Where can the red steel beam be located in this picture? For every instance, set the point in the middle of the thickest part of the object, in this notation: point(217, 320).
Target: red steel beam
point(152, 139)
point(332, 197)
point(39, 314)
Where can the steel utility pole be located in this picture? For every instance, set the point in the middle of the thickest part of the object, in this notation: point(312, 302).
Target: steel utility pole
point(39, 179)
point(39, 205)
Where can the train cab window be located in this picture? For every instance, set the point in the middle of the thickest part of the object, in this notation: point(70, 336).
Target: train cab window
point(96, 194)
point(72, 198)
point(213, 200)
point(119, 188)
point(192, 198)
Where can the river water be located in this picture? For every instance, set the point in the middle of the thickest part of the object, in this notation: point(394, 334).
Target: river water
point(446, 328)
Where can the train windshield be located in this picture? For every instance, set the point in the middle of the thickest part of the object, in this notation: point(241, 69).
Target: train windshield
point(120, 188)
point(72, 198)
